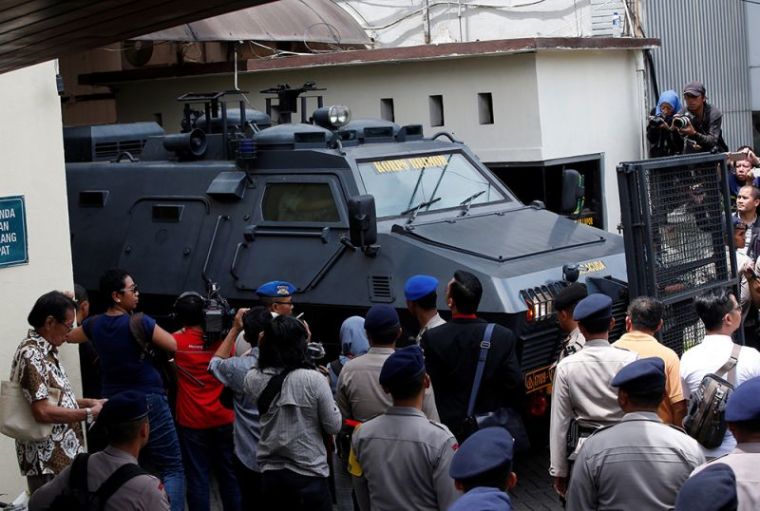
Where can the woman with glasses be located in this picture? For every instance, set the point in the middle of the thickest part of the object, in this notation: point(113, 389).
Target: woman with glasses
point(127, 365)
point(37, 368)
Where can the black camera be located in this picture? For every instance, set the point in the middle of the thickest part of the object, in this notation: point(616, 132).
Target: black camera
point(656, 120)
point(681, 121)
point(215, 314)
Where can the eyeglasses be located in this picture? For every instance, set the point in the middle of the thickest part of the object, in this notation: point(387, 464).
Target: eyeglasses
point(132, 289)
point(69, 325)
point(285, 303)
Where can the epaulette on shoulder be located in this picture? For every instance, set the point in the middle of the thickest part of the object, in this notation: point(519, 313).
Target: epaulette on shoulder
point(440, 426)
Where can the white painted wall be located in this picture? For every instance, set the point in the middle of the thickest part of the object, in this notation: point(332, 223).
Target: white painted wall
point(404, 22)
point(33, 166)
point(592, 102)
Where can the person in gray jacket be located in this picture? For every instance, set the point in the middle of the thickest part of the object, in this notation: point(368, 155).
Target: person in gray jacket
point(640, 461)
point(297, 410)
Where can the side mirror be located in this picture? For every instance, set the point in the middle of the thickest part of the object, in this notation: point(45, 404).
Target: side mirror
point(573, 191)
point(362, 221)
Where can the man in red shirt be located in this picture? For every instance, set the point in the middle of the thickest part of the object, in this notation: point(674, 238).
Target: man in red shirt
point(203, 424)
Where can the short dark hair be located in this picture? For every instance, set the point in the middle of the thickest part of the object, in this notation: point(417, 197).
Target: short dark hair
point(80, 294)
point(595, 325)
point(752, 426)
point(408, 389)
point(466, 291)
point(124, 432)
point(713, 306)
point(427, 302)
point(284, 344)
point(754, 190)
point(494, 478)
point(254, 322)
point(54, 304)
point(112, 281)
point(650, 399)
point(188, 309)
point(646, 312)
point(384, 337)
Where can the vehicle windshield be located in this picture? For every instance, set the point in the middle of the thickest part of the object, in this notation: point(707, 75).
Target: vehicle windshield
point(427, 183)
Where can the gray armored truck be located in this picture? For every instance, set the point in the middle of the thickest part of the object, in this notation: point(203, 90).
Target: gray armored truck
point(345, 210)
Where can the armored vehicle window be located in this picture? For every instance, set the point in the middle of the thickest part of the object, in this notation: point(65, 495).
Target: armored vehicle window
point(440, 181)
point(299, 202)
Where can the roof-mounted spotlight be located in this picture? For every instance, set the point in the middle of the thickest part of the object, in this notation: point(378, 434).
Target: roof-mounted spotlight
point(332, 117)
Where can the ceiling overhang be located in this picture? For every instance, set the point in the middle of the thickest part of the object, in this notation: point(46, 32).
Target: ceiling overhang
point(39, 30)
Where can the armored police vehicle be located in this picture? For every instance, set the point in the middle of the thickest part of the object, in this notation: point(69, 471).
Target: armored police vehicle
point(346, 210)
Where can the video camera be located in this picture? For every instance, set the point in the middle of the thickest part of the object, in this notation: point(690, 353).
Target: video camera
point(681, 121)
point(216, 314)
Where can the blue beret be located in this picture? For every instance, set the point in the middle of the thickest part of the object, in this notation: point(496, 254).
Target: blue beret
point(126, 406)
point(381, 317)
point(404, 365)
point(712, 489)
point(485, 450)
point(642, 375)
point(594, 306)
point(418, 286)
point(744, 402)
point(276, 289)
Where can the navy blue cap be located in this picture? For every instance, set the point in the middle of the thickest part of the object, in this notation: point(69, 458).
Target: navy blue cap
point(276, 289)
point(485, 450)
point(711, 489)
point(744, 403)
point(381, 317)
point(126, 406)
point(594, 306)
point(404, 365)
point(418, 286)
point(642, 375)
point(570, 295)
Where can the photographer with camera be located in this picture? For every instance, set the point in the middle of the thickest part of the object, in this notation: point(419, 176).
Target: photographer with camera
point(203, 424)
point(699, 123)
point(662, 137)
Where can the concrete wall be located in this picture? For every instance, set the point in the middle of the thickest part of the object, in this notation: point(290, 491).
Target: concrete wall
point(592, 102)
point(33, 166)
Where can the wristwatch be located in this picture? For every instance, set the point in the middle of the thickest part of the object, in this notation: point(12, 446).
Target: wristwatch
point(89, 419)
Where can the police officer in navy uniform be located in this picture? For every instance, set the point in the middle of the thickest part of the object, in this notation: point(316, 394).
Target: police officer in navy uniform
point(403, 456)
point(482, 469)
point(743, 418)
point(125, 420)
point(581, 390)
point(277, 296)
point(640, 459)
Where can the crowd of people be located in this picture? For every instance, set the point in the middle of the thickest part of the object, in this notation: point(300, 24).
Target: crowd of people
point(432, 422)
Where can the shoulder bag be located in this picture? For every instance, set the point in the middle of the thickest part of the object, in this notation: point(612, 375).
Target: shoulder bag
point(504, 417)
point(16, 418)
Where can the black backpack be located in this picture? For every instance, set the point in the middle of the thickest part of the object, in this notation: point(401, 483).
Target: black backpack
point(77, 496)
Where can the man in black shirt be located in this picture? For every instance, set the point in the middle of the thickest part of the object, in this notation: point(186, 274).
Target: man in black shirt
point(451, 356)
point(703, 133)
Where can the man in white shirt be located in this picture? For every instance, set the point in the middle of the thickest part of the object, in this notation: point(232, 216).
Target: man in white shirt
point(421, 296)
point(721, 314)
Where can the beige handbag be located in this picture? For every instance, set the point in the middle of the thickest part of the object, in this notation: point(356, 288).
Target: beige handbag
point(16, 419)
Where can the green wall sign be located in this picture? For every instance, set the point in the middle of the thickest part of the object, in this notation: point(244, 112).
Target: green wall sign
point(13, 247)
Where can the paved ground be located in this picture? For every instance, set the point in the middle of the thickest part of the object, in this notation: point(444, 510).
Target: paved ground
point(534, 488)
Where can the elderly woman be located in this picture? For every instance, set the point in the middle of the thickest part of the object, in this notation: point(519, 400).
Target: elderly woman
point(126, 366)
point(297, 409)
point(37, 368)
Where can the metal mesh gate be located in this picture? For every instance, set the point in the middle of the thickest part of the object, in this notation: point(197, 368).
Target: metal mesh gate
point(677, 232)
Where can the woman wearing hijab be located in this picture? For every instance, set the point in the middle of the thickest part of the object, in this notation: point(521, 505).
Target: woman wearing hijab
point(353, 343)
point(663, 139)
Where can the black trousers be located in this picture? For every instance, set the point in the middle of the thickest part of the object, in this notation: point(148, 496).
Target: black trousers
point(284, 489)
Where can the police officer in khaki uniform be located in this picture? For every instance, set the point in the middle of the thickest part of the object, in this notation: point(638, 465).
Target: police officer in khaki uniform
point(743, 417)
point(564, 304)
point(640, 459)
point(711, 489)
point(403, 456)
point(582, 389)
point(125, 420)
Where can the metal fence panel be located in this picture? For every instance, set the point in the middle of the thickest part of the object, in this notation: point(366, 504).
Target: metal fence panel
point(678, 236)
